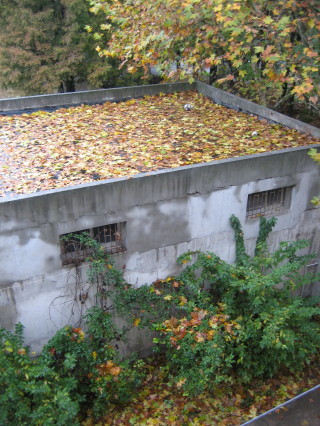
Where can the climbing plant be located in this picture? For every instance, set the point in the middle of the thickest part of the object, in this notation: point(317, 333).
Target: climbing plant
point(215, 322)
point(217, 319)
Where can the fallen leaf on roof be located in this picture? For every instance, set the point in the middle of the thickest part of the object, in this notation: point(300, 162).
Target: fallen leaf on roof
point(71, 146)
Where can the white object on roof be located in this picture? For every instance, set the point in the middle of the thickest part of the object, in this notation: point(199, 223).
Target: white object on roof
point(188, 107)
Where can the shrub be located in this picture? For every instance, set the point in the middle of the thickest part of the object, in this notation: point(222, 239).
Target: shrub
point(218, 319)
point(213, 321)
point(75, 372)
point(93, 362)
point(31, 392)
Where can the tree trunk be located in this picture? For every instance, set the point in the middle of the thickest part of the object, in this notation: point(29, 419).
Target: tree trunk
point(213, 74)
point(70, 85)
point(67, 85)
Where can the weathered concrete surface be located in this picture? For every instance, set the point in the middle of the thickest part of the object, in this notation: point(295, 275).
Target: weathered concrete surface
point(166, 213)
point(303, 409)
point(90, 96)
point(235, 102)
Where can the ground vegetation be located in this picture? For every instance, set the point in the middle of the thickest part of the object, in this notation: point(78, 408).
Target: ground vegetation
point(232, 341)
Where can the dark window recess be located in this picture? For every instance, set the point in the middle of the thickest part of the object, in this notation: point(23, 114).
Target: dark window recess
point(269, 203)
point(111, 238)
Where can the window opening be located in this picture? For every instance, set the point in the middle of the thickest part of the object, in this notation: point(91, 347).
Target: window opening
point(267, 203)
point(111, 238)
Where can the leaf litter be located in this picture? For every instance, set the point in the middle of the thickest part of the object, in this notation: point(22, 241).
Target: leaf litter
point(76, 145)
point(160, 402)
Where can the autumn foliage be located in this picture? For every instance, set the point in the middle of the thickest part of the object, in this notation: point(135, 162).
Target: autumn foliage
point(232, 341)
point(45, 48)
point(216, 319)
point(267, 51)
point(46, 150)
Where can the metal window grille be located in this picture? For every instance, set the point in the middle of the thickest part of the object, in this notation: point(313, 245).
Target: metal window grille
point(267, 203)
point(111, 238)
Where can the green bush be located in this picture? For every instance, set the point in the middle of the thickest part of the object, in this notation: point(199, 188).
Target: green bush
point(93, 362)
point(76, 371)
point(216, 319)
point(30, 391)
point(266, 326)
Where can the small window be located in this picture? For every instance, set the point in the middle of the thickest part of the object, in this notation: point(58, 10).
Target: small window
point(111, 238)
point(269, 203)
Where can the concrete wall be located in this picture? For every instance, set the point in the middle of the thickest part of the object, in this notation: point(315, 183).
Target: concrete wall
point(166, 213)
point(235, 102)
point(90, 96)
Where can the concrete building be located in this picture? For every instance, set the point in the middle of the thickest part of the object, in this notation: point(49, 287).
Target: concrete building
point(155, 217)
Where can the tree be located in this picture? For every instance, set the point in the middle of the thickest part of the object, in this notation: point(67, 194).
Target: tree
point(267, 51)
point(44, 47)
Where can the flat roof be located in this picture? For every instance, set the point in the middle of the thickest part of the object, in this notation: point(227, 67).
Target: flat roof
point(80, 144)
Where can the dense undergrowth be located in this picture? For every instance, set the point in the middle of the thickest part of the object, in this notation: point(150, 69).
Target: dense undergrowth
point(160, 402)
point(230, 338)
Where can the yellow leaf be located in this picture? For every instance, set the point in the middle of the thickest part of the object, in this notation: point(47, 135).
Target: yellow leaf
point(136, 322)
point(311, 23)
point(258, 49)
point(183, 300)
point(236, 6)
point(210, 334)
point(217, 8)
point(200, 337)
point(268, 20)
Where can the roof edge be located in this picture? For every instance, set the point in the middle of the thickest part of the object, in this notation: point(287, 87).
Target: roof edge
point(240, 104)
point(90, 96)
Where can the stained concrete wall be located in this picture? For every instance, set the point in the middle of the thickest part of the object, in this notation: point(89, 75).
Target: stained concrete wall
point(166, 213)
point(235, 102)
point(90, 96)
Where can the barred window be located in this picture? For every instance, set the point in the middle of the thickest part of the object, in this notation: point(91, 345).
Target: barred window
point(111, 237)
point(269, 203)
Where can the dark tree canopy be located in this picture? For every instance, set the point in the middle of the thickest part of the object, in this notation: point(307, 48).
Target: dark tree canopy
point(45, 47)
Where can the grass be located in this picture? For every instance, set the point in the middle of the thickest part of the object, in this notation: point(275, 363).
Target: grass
point(82, 144)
